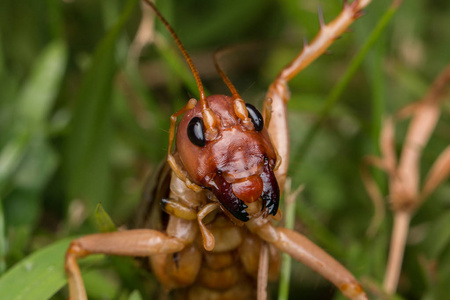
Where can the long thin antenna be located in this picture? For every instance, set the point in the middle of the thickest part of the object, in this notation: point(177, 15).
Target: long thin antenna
point(238, 104)
point(185, 54)
point(224, 76)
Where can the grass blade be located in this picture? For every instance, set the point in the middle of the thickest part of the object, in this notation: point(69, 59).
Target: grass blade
point(2, 240)
point(104, 222)
point(38, 276)
point(40, 92)
point(89, 140)
point(290, 199)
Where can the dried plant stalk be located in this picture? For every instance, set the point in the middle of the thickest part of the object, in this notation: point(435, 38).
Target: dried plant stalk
point(404, 180)
point(439, 172)
point(374, 193)
point(396, 251)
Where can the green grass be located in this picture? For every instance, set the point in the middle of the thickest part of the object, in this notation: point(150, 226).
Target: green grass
point(81, 124)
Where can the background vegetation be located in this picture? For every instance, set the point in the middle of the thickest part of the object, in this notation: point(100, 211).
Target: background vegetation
point(82, 121)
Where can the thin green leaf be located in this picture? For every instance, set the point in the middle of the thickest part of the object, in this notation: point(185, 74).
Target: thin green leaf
point(34, 104)
point(290, 201)
point(37, 166)
point(23, 204)
point(135, 295)
point(104, 222)
point(89, 140)
point(10, 157)
point(2, 240)
point(38, 276)
point(40, 91)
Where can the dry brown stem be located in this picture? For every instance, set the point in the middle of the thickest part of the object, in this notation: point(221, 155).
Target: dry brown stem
point(439, 172)
point(374, 193)
point(404, 181)
point(145, 34)
point(397, 248)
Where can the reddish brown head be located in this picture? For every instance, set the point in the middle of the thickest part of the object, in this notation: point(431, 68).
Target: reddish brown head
point(237, 164)
point(224, 146)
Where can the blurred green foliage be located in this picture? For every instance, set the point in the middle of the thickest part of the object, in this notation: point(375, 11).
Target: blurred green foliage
point(83, 122)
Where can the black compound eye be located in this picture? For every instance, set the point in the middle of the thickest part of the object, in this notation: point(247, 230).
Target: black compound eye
point(256, 117)
point(195, 132)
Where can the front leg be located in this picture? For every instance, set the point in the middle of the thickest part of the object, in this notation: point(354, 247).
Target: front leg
point(278, 94)
point(139, 242)
point(303, 250)
point(275, 112)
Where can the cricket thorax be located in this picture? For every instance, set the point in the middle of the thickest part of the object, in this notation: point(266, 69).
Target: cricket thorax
point(229, 271)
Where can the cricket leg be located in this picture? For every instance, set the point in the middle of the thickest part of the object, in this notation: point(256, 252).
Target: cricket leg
point(278, 94)
point(305, 251)
point(139, 242)
point(263, 272)
point(302, 249)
